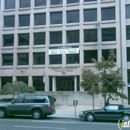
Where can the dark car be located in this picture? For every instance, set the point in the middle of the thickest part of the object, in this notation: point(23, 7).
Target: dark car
point(36, 106)
point(110, 112)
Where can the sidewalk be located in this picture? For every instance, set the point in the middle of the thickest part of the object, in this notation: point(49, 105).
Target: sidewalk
point(66, 111)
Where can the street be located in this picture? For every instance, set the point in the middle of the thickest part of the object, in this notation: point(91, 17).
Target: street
point(51, 123)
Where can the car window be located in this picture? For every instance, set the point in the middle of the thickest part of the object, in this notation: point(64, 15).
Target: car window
point(28, 100)
point(19, 100)
point(112, 108)
point(40, 99)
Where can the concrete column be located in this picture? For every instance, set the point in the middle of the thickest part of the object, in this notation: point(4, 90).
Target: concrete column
point(53, 84)
point(75, 83)
point(30, 83)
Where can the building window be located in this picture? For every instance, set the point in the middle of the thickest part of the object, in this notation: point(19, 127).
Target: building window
point(56, 18)
point(108, 13)
point(127, 11)
point(89, 55)
point(5, 80)
point(8, 40)
point(9, 5)
point(90, 35)
point(25, 3)
point(24, 20)
point(73, 36)
point(7, 59)
point(40, 2)
point(72, 58)
point(9, 21)
point(23, 39)
point(39, 58)
point(90, 15)
point(56, 2)
point(109, 34)
point(128, 54)
point(56, 37)
point(39, 38)
point(89, 0)
point(55, 59)
point(38, 83)
point(72, 1)
point(23, 58)
point(73, 16)
point(106, 52)
point(128, 32)
point(23, 79)
point(40, 19)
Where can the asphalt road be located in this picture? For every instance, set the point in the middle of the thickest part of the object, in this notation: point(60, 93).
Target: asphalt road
point(20, 123)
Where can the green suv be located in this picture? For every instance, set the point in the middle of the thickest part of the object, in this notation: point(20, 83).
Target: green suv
point(37, 106)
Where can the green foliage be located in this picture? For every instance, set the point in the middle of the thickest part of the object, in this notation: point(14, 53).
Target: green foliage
point(107, 81)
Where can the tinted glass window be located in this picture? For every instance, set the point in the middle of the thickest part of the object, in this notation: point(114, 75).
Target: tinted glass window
point(128, 54)
point(4, 80)
point(73, 16)
point(39, 99)
point(112, 107)
point(56, 2)
point(108, 13)
point(55, 59)
point(127, 11)
point(23, 39)
point(8, 40)
point(40, 2)
point(89, 0)
point(19, 100)
point(9, 21)
point(23, 59)
point(128, 32)
point(24, 20)
point(39, 38)
point(40, 19)
point(109, 34)
point(56, 18)
point(90, 15)
point(7, 59)
point(28, 99)
point(55, 37)
point(23, 79)
point(25, 3)
point(72, 1)
point(9, 4)
point(72, 58)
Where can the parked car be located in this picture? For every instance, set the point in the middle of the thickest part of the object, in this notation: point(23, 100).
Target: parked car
point(110, 112)
point(37, 106)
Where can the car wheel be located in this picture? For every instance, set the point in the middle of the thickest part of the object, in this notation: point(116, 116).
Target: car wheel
point(126, 117)
point(90, 117)
point(36, 114)
point(2, 113)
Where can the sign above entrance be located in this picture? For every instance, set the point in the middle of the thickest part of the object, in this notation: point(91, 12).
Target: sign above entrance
point(63, 50)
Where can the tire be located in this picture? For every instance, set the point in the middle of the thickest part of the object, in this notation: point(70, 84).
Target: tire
point(90, 117)
point(2, 113)
point(126, 117)
point(36, 114)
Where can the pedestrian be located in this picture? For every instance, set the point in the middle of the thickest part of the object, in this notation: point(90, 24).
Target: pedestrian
point(107, 102)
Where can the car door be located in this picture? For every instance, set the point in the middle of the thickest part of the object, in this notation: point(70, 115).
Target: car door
point(15, 107)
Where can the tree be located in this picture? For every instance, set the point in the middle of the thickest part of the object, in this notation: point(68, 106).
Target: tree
point(107, 80)
point(16, 88)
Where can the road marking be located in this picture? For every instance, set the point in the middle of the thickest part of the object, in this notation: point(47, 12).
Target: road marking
point(54, 122)
point(34, 127)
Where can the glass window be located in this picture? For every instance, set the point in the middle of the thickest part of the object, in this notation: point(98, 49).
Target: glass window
point(40, 2)
point(55, 59)
point(23, 39)
point(73, 36)
point(38, 83)
point(24, 20)
point(40, 19)
point(90, 15)
point(39, 38)
point(5, 80)
point(56, 18)
point(90, 35)
point(7, 59)
point(23, 58)
point(112, 107)
point(39, 58)
point(108, 13)
point(25, 3)
point(72, 58)
point(72, 1)
point(23, 79)
point(40, 99)
point(73, 16)
point(9, 21)
point(19, 100)
point(8, 40)
point(9, 5)
point(89, 0)
point(56, 37)
point(128, 54)
point(89, 54)
point(127, 11)
point(56, 2)
point(109, 34)
point(128, 32)
point(28, 99)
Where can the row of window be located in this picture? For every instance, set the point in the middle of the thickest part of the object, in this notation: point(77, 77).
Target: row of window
point(73, 36)
point(39, 58)
point(27, 3)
